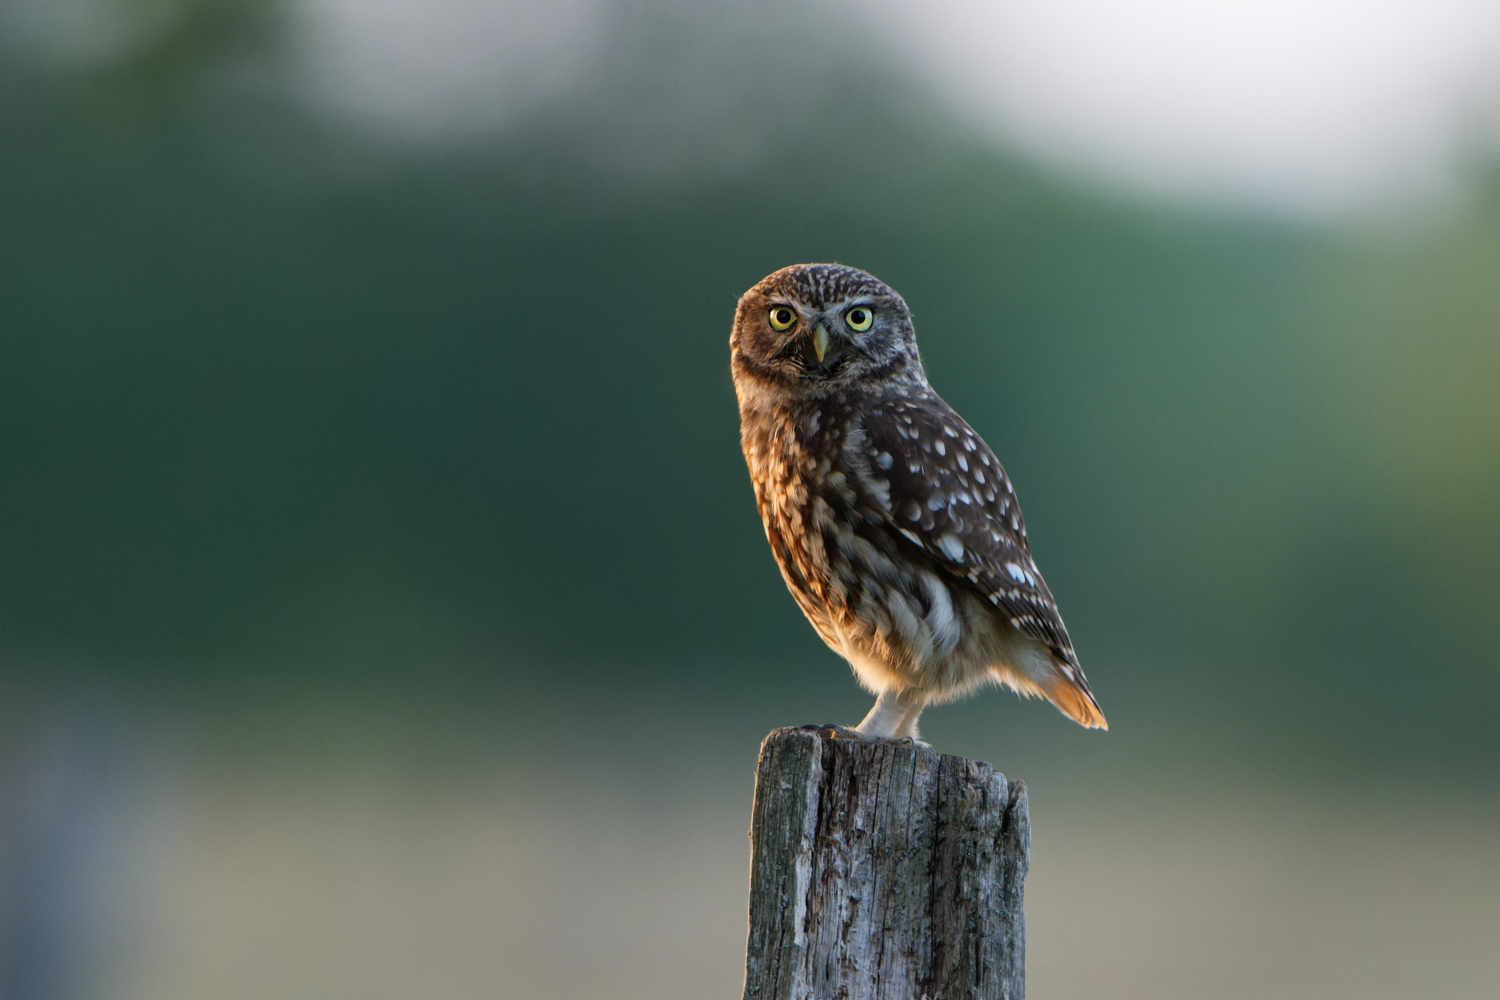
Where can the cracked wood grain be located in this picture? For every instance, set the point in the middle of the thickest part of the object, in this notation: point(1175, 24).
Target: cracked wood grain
point(884, 872)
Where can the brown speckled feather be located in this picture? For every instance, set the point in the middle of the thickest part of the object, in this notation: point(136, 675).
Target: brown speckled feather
point(950, 495)
point(894, 525)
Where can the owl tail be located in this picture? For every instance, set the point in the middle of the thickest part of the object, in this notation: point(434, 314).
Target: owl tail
point(1069, 691)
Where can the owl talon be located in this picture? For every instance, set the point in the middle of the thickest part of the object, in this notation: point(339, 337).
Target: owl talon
point(905, 741)
point(834, 731)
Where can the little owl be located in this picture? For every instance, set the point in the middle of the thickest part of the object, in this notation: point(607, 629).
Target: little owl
point(894, 525)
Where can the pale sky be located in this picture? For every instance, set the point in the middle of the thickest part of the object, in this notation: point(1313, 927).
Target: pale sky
point(1306, 104)
point(1315, 106)
point(1312, 106)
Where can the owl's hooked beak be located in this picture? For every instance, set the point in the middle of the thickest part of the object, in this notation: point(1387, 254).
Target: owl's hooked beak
point(819, 351)
point(820, 342)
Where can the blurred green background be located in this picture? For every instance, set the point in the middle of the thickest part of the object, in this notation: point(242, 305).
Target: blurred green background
point(384, 611)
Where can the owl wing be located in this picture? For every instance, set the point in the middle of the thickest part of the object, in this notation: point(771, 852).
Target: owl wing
point(950, 496)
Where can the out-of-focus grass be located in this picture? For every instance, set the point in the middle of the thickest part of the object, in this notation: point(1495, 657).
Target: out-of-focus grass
point(386, 865)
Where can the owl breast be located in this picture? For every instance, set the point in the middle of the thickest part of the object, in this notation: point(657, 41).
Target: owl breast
point(824, 494)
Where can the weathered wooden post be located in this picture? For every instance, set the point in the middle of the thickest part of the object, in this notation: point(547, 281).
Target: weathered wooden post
point(884, 872)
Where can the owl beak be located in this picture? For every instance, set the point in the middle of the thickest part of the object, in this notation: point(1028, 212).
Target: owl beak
point(820, 342)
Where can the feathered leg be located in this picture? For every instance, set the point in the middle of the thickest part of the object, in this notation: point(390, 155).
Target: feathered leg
point(894, 715)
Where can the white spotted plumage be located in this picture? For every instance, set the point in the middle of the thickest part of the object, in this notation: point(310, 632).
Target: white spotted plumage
point(894, 526)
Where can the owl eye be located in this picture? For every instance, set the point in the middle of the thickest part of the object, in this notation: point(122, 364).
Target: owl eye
point(859, 318)
point(782, 317)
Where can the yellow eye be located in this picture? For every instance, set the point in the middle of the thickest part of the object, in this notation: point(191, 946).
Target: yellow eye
point(782, 317)
point(859, 318)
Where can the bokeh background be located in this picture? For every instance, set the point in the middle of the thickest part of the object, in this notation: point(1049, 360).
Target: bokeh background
point(383, 608)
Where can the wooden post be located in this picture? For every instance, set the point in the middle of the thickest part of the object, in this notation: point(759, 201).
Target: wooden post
point(884, 872)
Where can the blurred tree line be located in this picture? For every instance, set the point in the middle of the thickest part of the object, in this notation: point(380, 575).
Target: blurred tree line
point(284, 403)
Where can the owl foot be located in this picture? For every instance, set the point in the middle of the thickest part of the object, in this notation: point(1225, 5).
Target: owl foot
point(834, 731)
point(901, 741)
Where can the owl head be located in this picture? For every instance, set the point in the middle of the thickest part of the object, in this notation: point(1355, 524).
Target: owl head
point(818, 328)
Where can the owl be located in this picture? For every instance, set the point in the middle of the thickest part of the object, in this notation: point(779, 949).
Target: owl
point(893, 523)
